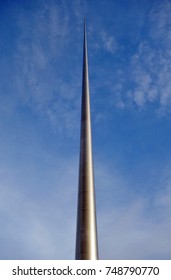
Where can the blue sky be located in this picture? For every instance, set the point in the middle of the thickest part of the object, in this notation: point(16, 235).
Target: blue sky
point(40, 97)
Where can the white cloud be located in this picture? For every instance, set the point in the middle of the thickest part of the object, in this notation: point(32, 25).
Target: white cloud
point(146, 77)
point(109, 42)
point(139, 98)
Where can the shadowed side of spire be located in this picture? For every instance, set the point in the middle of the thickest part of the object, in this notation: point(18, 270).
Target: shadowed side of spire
point(86, 235)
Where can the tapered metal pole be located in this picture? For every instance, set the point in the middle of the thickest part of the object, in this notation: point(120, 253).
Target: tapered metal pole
point(86, 235)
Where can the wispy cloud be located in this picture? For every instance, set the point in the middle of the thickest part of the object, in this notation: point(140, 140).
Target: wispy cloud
point(150, 65)
point(139, 228)
point(142, 69)
point(38, 49)
point(40, 227)
point(109, 42)
point(102, 39)
point(41, 64)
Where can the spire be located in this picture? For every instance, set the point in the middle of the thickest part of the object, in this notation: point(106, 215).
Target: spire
point(86, 236)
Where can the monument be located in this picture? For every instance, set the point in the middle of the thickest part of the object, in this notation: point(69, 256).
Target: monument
point(86, 233)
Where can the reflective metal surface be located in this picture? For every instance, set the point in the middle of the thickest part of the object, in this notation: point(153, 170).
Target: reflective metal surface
point(86, 236)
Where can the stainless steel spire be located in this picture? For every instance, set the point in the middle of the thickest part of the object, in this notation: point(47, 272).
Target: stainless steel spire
point(86, 236)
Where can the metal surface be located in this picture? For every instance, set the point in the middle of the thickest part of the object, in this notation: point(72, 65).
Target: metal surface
point(86, 236)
